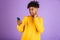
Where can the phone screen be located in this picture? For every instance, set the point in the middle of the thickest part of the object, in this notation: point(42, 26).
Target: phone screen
point(18, 18)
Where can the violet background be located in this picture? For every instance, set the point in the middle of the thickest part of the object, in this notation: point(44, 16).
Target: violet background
point(11, 9)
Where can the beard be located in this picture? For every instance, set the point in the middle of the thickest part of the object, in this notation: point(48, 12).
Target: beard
point(32, 15)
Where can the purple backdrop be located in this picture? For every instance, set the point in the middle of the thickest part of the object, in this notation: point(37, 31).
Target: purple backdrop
point(11, 9)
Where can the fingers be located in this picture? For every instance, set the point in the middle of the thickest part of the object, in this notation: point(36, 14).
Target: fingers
point(19, 22)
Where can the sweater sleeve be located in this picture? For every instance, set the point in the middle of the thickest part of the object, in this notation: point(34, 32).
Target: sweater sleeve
point(20, 27)
point(39, 24)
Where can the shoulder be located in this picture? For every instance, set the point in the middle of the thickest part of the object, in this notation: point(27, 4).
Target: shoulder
point(26, 16)
point(41, 18)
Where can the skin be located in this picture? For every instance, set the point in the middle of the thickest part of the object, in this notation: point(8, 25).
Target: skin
point(33, 13)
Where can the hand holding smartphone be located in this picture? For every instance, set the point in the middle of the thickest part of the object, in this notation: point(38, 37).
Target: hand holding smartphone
point(18, 21)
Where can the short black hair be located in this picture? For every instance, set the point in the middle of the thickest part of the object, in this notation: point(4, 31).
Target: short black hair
point(33, 4)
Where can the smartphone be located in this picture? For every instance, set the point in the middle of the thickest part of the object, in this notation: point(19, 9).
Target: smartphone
point(18, 18)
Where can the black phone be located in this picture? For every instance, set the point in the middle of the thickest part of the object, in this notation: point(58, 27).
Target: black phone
point(18, 18)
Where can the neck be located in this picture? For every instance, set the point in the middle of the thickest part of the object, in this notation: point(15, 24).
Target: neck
point(32, 16)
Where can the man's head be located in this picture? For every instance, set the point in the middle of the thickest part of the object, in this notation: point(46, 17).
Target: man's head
point(33, 7)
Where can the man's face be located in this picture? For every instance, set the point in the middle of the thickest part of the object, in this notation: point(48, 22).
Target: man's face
point(33, 11)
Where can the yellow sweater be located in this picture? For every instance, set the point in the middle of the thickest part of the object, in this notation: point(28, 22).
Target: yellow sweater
point(31, 28)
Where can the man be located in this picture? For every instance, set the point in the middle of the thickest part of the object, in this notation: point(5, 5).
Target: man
point(31, 26)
